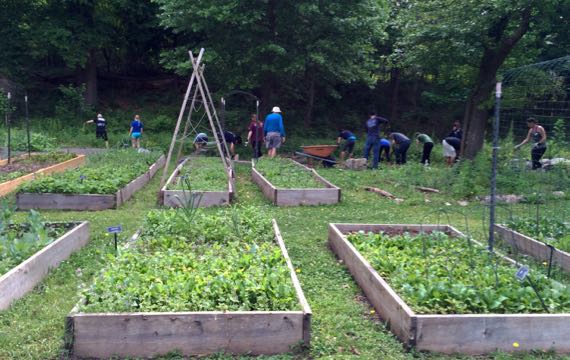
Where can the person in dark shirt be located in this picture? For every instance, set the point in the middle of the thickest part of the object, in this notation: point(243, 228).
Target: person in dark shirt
point(401, 145)
point(136, 131)
point(456, 131)
point(255, 135)
point(372, 127)
point(537, 135)
point(231, 140)
point(200, 142)
point(100, 128)
point(348, 146)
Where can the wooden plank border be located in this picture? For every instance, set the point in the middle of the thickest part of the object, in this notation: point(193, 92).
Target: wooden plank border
point(81, 202)
point(209, 198)
point(23, 278)
point(11, 185)
point(104, 335)
point(330, 194)
point(532, 247)
point(470, 334)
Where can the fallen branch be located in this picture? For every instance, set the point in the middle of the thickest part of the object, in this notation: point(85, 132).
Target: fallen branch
point(380, 192)
point(426, 189)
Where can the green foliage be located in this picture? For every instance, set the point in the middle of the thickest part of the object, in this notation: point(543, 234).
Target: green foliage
point(203, 173)
point(71, 105)
point(20, 241)
point(202, 267)
point(558, 144)
point(39, 141)
point(439, 274)
point(104, 173)
point(36, 159)
point(283, 173)
point(552, 231)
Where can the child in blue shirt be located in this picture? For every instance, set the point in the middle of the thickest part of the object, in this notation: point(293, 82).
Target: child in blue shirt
point(136, 132)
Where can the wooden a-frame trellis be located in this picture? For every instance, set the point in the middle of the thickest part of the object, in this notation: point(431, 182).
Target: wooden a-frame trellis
point(197, 84)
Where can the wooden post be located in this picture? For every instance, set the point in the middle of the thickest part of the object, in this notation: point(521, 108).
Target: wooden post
point(195, 74)
point(187, 125)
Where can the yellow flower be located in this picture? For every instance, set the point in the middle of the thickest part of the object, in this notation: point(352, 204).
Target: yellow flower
point(372, 312)
point(545, 263)
point(298, 270)
point(516, 344)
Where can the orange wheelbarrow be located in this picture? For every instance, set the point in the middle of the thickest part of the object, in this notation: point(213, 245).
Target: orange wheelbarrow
point(319, 152)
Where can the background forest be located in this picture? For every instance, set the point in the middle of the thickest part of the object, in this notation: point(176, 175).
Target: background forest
point(420, 63)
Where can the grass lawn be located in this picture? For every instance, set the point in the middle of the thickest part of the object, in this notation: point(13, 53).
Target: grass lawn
point(344, 326)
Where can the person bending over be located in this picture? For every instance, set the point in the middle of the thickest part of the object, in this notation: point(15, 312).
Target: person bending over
point(401, 145)
point(348, 145)
point(451, 149)
point(427, 147)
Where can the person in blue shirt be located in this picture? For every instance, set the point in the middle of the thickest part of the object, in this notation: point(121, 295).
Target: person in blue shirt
point(274, 131)
point(136, 131)
point(348, 146)
point(372, 127)
point(385, 148)
point(401, 145)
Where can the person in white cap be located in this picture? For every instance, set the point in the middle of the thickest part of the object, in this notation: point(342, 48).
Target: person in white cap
point(274, 131)
point(100, 128)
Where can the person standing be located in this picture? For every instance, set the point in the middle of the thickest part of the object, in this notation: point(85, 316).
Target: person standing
point(255, 135)
point(100, 128)
point(385, 147)
point(451, 149)
point(401, 145)
point(537, 135)
point(372, 127)
point(427, 147)
point(136, 132)
point(274, 131)
point(456, 131)
point(348, 146)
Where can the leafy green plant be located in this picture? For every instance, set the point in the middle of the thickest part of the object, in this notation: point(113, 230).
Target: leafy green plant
point(547, 229)
point(282, 173)
point(458, 280)
point(104, 173)
point(203, 173)
point(203, 267)
point(20, 241)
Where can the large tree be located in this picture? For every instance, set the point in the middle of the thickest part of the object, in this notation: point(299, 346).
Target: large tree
point(298, 48)
point(471, 40)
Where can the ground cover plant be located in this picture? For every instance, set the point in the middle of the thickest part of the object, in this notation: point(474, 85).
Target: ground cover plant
point(22, 166)
point(199, 263)
point(18, 241)
point(104, 173)
point(546, 229)
point(203, 174)
point(284, 174)
point(439, 274)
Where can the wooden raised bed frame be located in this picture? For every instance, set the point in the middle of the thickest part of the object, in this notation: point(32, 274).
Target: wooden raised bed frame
point(472, 334)
point(208, 198)
point(330, 194)
point(537, 249)
point(23, 278)
point(25, 201)
point(11, 185)
point(103, 335)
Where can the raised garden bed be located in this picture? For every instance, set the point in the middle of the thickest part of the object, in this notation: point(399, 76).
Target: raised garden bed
point(443, 330)
point(22, 278)
point(556, 234)
point(24, 169)
point(199, 284)
point(105, 186)
point(288, 183)
point(206, 177)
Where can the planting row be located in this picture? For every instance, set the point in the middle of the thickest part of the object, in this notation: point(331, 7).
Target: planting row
point(106, 181)
point(195, 283)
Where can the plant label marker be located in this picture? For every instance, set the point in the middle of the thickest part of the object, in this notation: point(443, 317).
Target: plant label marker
point(115, 230)
point(522, 273)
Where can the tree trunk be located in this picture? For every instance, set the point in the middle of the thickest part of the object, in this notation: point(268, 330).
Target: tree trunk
point(308, 118)
point(91, 79)
point(475, 117)
point(395, 89)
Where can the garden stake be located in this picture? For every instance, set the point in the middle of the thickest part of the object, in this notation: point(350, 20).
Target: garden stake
point(28, 127)
point(550, 258)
